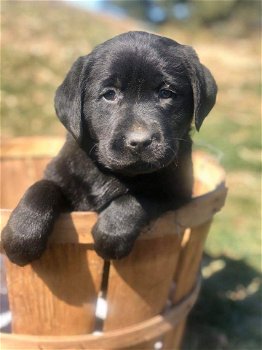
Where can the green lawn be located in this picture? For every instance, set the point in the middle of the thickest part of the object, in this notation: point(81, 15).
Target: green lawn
point(40, 42)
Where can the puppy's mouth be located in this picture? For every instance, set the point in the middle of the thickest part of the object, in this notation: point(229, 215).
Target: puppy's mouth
point(139, 168)
point(135, 163)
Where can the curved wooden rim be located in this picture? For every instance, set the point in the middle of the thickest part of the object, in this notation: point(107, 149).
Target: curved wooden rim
point(76, 227)
point(128, 336)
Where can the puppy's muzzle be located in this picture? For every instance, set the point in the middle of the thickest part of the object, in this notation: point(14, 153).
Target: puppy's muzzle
point(140, 140)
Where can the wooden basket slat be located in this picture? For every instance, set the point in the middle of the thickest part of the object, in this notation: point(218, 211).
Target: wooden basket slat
point(117, 339)
point(17, 175)
point(31, 147)
point(139, 284)
point(23, 160)
point(187, 270)
point(62, 286)
point(190, 260)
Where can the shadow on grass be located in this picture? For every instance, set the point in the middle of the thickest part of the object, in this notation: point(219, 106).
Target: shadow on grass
point(228, 314)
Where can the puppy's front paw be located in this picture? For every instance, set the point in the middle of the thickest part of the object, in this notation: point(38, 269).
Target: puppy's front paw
point(112, 245)
point(20, 248)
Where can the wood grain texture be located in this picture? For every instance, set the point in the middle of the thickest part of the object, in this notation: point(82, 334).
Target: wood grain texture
point(208, 174)
point(188, 270)
point(17, 175)
point(31, 147)
point(189, 261)
point(57, 293)
point(23, 161)
point(139, 284)
point(118, 339)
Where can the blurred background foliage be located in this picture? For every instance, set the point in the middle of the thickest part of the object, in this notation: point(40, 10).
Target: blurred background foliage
point(40, 41)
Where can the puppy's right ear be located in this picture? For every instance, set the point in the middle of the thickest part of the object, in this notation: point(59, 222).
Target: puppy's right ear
point(203, 85)
point(69, 98)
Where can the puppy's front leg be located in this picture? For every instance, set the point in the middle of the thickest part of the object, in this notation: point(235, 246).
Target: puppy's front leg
point(119, 225)
point(26, 233)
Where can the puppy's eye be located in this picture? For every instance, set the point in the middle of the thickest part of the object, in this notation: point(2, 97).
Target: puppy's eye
point(110, 95)
point(164, 93)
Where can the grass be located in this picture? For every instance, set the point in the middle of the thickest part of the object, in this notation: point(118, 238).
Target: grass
point(40, 42)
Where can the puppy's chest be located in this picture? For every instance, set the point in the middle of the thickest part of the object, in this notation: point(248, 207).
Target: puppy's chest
point(102, 190)
point(105, 190)
point(152, 185)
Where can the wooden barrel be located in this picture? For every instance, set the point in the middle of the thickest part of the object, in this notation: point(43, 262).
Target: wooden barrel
point(71, 299)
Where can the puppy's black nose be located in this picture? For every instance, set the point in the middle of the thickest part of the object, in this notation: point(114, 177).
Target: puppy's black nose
point(138, 140)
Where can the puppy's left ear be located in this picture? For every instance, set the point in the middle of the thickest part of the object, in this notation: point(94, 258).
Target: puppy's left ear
point(203, 85)
point(69, 98)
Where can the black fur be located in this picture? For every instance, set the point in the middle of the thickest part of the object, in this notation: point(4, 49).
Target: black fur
point(128, 107)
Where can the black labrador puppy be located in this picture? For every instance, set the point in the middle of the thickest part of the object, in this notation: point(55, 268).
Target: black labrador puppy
point(128, 107)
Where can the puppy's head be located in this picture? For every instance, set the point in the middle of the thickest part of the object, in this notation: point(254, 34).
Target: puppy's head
point(130, 103)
